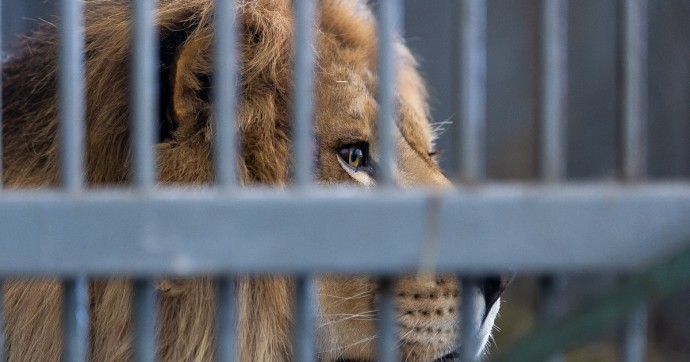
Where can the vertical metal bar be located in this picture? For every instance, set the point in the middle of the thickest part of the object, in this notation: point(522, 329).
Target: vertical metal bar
point(634, 89)
point(71, 94)
point(387, 351)
point(225, 319)
point(304, 92)
point(551, 298)
point(473, 90)
point(634, 135)
point(389, 13)
point(304, 319)
point(144, 93)
point(75, 316)
point(2, 320)
point(554, 89)
point(225, 101)
point(469, 324)
point(634, 336)
point(144, 321)
point(2, 173)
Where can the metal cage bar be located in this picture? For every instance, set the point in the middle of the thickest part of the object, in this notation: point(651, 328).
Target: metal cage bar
point(635, 336)
point(75, 316)
point(554, 89)
point(472, 102)
point(468, 323)
point(552, 289)
point(633, 153)
point(303, 334)
point(2, 177)
point(144, 101)
point(552, 153)
point(386, 326)
point(225, 319)
point(2, 320)
point(225, 95)
point(145, 307)
point(389, 13)
point(72, 130)
point(304, 92)
point(633, 89)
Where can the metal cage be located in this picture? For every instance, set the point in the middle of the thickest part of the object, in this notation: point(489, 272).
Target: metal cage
point(546, 227)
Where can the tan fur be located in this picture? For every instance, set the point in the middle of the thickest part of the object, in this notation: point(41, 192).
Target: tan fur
point(346, 113)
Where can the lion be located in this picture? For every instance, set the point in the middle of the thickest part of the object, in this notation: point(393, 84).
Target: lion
point(345, 152)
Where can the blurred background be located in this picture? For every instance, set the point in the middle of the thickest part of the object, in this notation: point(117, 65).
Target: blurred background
point(513, 109)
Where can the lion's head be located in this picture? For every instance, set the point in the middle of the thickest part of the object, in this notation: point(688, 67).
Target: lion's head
point(346, 152)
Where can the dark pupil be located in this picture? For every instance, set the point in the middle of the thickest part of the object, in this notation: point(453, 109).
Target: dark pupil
point(356, 156)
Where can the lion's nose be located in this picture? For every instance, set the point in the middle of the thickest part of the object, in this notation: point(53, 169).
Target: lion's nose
point(493, 286)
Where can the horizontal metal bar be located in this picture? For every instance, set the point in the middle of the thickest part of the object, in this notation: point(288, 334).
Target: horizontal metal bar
point(481, 229)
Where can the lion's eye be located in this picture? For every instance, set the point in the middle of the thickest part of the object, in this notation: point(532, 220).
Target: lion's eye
point(355, 155)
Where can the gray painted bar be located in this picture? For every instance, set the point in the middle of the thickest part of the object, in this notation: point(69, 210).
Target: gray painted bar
point(634, 89)
point(304, 92)
point(225, 95)
point(144, 100)
point(468, 321)
point(542, 228)
point(304, 339)
point(75, 316)
point(386, 323)
point(145, 307)
point(72, 129)
point(388, 15)
point(225, 319)
point(554, 89)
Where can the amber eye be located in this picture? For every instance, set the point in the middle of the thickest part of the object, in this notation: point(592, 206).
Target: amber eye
point(355, 155)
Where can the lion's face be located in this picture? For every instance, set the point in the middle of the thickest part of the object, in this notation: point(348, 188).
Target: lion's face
point(427, 307)
point(345, 152)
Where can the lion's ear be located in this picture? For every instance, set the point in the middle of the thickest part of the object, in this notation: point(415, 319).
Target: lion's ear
point(185, 74)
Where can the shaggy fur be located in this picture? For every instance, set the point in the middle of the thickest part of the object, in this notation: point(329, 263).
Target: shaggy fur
point(346, 112)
